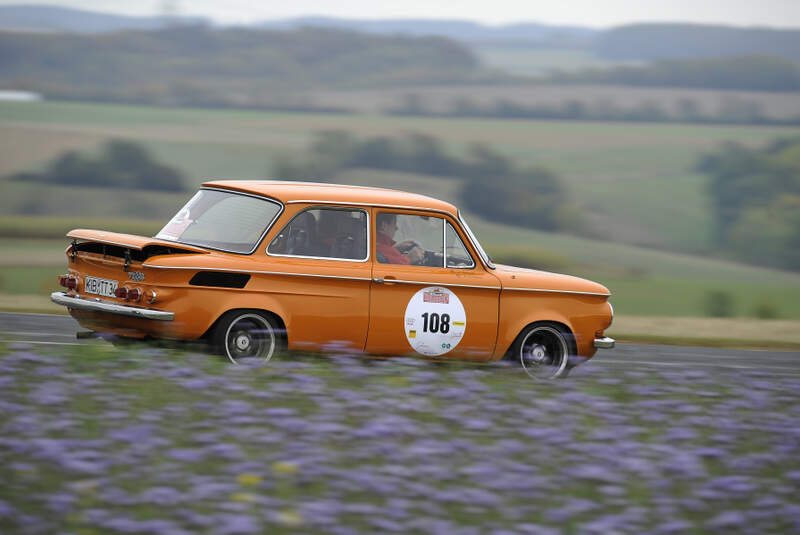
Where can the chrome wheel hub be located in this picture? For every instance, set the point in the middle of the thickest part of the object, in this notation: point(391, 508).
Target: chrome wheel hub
point(242, 342)
point(539, 354)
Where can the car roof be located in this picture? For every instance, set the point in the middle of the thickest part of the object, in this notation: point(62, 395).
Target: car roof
point(311, 192)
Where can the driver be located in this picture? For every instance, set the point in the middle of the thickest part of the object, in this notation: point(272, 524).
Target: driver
point(391, 251)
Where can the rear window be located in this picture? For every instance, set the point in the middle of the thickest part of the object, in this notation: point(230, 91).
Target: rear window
point(222, 220)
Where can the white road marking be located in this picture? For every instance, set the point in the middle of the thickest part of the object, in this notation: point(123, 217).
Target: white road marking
point(34, 314)
point(701, 364)
point(704, 354)
point(38, 342)
point(21, 333)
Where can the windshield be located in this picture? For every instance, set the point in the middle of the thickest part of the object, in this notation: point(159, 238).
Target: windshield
point(222, 220)
point(486, 257)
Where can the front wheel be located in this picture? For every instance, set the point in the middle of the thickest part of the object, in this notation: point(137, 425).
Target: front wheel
point(246, 337)
point(543, 350)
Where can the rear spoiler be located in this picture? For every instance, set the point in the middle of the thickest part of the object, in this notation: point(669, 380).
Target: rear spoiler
point(127, 246)
point(129, 241)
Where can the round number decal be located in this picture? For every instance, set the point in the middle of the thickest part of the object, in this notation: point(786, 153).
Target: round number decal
point(435, 321)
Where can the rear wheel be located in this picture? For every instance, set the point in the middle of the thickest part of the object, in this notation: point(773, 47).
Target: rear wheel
point(543, 350)
point(247, 337)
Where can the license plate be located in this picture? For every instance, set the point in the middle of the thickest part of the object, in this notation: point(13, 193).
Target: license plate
point(102, 287)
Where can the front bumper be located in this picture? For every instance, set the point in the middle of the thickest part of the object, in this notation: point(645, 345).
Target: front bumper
point(604, 343)
point(96, 305)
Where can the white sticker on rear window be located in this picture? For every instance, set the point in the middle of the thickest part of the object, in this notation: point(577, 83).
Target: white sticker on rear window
point(435, 321)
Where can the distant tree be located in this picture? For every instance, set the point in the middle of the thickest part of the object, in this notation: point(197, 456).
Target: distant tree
point(492, 185)
point(691, 41)
point(756, 199)
point(121, 164)
point(755, 73)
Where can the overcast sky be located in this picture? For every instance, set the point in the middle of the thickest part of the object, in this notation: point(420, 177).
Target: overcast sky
point(594, 13)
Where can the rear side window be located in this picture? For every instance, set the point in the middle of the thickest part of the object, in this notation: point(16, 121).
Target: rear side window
point(223, 220)
point(338, 233)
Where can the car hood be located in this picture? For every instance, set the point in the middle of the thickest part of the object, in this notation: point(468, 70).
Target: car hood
point(530, 279)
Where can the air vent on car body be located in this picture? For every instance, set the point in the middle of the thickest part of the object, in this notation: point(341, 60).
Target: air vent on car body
point(220, 279)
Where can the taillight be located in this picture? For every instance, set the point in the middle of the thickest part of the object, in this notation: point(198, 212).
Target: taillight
point(121, 292)
point(134, 294)
point(68, 281)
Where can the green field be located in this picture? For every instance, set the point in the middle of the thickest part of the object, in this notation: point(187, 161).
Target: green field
point(635, 183)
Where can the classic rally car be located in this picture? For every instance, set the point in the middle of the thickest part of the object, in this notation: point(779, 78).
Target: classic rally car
point(257, 266)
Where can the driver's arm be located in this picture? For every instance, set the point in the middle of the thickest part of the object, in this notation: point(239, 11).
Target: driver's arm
point(416, 255)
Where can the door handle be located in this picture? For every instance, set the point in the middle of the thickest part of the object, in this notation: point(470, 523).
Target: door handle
point(389, 279)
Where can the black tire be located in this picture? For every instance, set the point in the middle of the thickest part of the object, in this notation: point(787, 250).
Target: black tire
point(247, 336)
point(543, 350)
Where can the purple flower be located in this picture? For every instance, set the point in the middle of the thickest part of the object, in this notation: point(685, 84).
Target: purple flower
point(728, 519)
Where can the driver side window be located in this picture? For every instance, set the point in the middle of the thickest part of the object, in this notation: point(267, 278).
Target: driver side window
point(410, 239)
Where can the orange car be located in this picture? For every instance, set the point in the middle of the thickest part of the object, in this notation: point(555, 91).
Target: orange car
point(256, 266)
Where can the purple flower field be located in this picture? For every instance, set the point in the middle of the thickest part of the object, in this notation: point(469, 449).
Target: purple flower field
point(102, 440)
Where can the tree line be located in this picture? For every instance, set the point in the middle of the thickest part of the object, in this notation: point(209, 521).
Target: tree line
point(731, 110)
point(646, 42)
point(120, 164)
point(491, 184)
point(756, 199)
point(750, 73)
point(198, 65)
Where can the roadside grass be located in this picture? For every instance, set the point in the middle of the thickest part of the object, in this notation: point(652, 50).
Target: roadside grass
point(746, 333)
point(31, 303)
point(30, 280)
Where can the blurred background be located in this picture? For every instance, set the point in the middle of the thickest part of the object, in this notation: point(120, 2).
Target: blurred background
point(656, 151)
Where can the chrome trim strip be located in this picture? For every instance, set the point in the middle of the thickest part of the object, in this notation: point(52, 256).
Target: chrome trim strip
point(366, 212)
point(263, 234)
point(79, 303)
point(542, 290)
point(604, 343)
point(428, 283)
point(448, 224)
point(485, 259)
point(254, 272)
point(444, 243)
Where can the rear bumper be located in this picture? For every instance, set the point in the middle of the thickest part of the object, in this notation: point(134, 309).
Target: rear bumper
point(96, 305)
point(604, 343)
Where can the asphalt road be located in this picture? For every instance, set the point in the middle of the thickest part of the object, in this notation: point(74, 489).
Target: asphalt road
point(48, 329)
